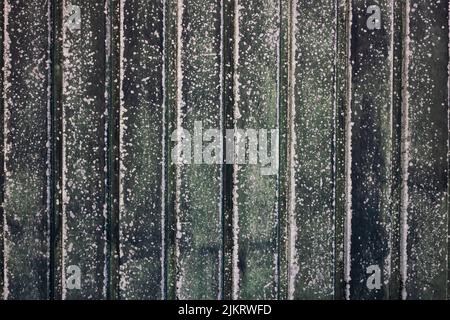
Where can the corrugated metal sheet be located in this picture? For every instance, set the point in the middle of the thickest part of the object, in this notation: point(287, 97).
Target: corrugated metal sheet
point(224, 149)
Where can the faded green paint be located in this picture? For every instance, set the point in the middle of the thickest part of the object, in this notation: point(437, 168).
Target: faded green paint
point(171, 95)
point(371, 150)
point(83, 151)
point(141, 151)
point(255, 196)
point(395, 278)
point(341, 113)
point(199, 204)
point(312, 144)
point(427, 104)
point(25, 102)
point(120, 210)
point(113, 94)
point(282, 236)
point(228, 101)
point(2, 266)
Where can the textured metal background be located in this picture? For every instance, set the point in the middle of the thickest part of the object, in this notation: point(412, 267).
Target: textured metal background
point(88, 110)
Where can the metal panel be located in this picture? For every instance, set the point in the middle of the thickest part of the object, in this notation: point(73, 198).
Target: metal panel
point(25, 157)
point(424, 202)
point(142, 158)
point(83, 151)
point(372, 49)
point(224, 149)
point(311, 148)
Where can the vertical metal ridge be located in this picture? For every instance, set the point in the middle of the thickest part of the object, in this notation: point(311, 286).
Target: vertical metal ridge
point(334, 142)
point(405, 136)
point(348, 158)
point(278, 212)
point(164, 163)
point(6, 72)
point(235, 216)
point(292, 269)
point(220, 293)
point(63, 170)
point(227, 181)
point(179, 106)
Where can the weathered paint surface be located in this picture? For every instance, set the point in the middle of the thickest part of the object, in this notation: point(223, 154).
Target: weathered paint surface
point(24, 172)
point(2, 267)
point(342, 88)
point(396, 184)
point(425, 151)
point(312, 148)
point(142, 184)
point(371, 149)
point(83, 150)
point(255, 195)
point(198, 185)
point(89, 109)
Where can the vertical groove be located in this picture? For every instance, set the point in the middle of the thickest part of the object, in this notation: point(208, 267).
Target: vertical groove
point(112, 155)
point(112, 158)
point(228, 65)
point(64, 169)
point(405, 158)
point(52, 180)
point(348, 159)
point(108, 115)
point(113, 152)
point(448, 163)
point(339, 176)
point(334, 143)
point(171, 127)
